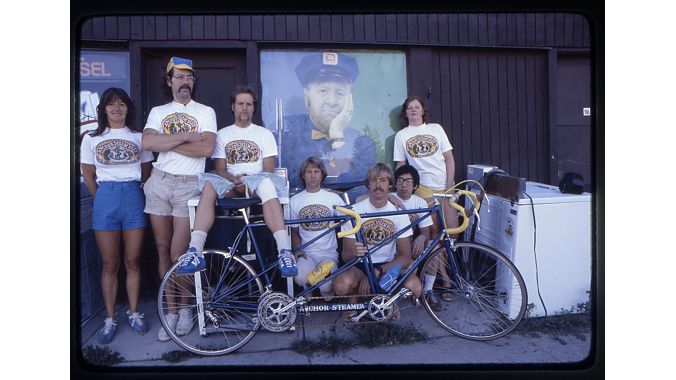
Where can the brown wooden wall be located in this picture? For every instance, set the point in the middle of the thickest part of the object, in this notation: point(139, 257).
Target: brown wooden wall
point(494, 107)
point(487, 77)
point(482, 29)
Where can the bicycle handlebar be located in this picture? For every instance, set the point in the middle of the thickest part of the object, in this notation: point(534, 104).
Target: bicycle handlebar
point(461, 210)
point(357, 219)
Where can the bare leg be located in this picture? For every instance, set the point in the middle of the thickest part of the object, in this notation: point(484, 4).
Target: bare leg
point(109, 246)
point(205, 213)
point(133, 240)
point(413, 284)
point(273, 215)
point(440, 264)
point(347, 283)
point(162, 230)
point(181, 237)
point(179, 244)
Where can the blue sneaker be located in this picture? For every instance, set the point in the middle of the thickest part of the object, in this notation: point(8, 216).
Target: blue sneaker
point(107, 332)
point(136, 322)
point(190, 263)
point(287, 264)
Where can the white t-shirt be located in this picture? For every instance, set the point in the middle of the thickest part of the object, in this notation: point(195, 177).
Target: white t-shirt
point(173, 118)
point(244, 148)
point(378, 229)
point(117, 154)
point(412, 203)
point(424, 147)
point(319, 204)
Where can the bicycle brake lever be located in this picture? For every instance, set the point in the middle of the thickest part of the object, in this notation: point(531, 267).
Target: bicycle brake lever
point(478, 220)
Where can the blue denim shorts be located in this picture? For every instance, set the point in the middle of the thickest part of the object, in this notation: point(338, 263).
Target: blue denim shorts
point(220, 184)
point(118, 206)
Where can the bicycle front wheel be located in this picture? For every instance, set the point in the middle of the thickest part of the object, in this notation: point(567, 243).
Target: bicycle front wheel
point(482, 294)
point(219, 302)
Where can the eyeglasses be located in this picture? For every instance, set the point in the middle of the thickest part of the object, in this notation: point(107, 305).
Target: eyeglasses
point(401, 181)
point(190, 78)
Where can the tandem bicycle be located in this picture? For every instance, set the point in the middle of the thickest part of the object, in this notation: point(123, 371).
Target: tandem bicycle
point(232, 299)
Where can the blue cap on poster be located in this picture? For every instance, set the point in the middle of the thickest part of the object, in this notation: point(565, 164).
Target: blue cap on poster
point(326, 66)
point(179, 63)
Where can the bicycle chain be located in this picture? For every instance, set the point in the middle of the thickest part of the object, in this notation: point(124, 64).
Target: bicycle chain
point(363, 321)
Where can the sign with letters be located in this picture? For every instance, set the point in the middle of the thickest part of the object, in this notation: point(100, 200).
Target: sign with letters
point(99, 70)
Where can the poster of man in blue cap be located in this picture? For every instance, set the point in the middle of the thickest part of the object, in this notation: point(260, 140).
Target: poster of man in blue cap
point(335, 105)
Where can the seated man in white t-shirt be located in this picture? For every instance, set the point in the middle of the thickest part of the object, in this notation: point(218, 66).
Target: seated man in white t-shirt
point(314, 202)
point(407, 180)
point(353, 281)
point(244, 157)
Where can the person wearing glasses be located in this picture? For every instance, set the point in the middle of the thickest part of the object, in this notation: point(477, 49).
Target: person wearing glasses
point(426, 147)
point(406, 181)
point(396, 254)
point(183, 132)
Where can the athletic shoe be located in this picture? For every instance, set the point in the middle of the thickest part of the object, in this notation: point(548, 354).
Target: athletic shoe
point(171, 320)
point(107, 332)
point(136, 322)
point(287, 264)
point(190, 263)
point(185, 321)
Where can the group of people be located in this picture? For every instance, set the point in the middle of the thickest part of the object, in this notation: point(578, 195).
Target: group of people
point(116, 167)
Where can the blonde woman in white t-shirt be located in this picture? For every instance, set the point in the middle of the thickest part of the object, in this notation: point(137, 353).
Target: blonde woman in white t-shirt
point(426, 147)
point(114, 165)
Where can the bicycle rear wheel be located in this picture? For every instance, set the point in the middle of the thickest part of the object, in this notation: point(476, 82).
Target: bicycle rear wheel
point(488, 297)
point(222, 301)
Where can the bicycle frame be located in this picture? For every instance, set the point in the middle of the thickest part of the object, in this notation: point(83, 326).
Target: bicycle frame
point(265, 268)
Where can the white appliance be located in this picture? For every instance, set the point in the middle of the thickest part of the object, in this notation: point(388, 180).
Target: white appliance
point(562, 233)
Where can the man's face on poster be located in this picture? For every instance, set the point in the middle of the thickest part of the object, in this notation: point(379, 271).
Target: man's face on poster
point(325, 100)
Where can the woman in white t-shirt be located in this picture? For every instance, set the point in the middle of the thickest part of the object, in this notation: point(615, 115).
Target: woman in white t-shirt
point(426, 147)
point(114, 166)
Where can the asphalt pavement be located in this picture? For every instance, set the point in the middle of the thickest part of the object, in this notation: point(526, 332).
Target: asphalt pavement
point(565, 347)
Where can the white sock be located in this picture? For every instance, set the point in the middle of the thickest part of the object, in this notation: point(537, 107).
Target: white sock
point(282, 239)
point(197, 239)
point(428, 282)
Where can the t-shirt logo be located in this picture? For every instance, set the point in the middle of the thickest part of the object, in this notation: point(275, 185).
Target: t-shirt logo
point(314, 211)
point(242, 152)
point(117, 152)
point(377, 230)
point(422, 146)
point(412, 217)
point(179, 122)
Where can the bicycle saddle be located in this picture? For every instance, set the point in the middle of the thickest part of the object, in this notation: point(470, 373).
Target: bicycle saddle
point(237, 203)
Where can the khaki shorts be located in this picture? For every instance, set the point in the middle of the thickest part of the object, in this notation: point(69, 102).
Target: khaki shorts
point(168, 194)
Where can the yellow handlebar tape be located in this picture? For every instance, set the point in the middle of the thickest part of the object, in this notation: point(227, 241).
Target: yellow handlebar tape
point(357, 220)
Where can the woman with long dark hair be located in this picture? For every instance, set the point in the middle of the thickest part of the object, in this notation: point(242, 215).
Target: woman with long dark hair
point(114, 167)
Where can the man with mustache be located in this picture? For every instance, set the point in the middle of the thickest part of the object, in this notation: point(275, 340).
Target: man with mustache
point(183, 132)
point(244, 158)
point(379, 180)
point(327, 79)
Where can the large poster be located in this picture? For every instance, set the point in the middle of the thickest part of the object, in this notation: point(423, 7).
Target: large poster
point(98, 71)
point(340, 105)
